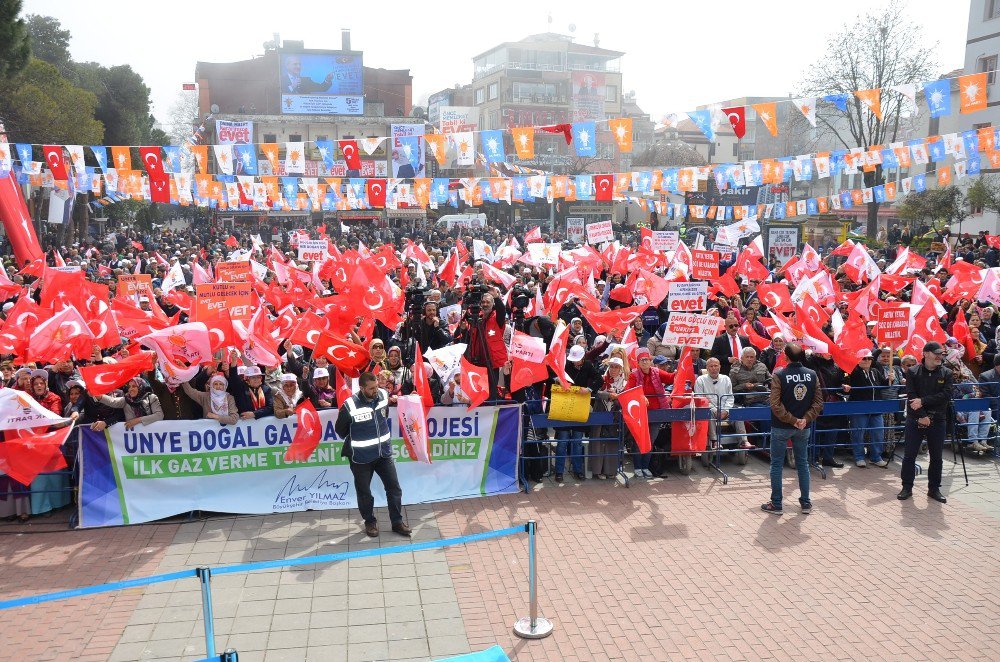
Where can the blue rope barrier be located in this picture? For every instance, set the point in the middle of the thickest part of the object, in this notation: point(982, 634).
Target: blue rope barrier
point(261, 565)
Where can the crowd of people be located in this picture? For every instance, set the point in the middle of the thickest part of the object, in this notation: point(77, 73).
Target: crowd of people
point(735, 372)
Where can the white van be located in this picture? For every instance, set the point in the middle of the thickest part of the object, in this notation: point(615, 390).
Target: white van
point(462, 221)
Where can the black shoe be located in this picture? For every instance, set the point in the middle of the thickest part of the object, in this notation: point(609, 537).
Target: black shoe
point(807, 507)
point(402, 529)
point(904, 494)
point(833, 463)
point(580, 476)
point(559, 478)
point(770, 508)
point(937, 496)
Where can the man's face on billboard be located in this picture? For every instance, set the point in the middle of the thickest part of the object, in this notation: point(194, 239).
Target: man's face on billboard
point(293, 65)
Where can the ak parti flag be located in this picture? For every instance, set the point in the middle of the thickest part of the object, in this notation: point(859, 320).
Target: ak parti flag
point(768, 114)
point(872, 100)
point(636, 414)
point(413, 425)
point(475, 383)
point(307, 433)
point(621, 129)
point(24, 457)
point(524, 141)
point(972, 91)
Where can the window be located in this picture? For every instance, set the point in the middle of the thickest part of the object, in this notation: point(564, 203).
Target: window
point(270, 138)
point(611, 93)
point(992, 9)
point(736, 147)
point(294, 137)
point(493, 91)
point(480, 96)
point(987, 63)
point(320, 138)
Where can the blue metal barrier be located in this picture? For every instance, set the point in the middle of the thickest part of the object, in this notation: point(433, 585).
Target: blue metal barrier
point(529, 627)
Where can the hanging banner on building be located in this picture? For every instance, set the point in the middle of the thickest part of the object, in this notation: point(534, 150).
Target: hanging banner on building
point(174, 467)
point(692, 330)
point(574, 229)
point(321, 83)
point(893, 326)
point(687, 296)
point(782, 243)
point(313, 250)
point(407, 150)
point(600, 232)
point(212, 298)
point(233, 133)
point(664, 240)
point(588, 95)
point(455, 119)
point(705, 264)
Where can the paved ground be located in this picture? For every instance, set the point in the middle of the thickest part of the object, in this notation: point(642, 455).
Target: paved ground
point(668, 568)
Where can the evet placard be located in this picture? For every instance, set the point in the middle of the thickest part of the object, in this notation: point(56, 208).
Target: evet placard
point(705, 264)
point(687, 297)
point(312, 250)
point(692, 330)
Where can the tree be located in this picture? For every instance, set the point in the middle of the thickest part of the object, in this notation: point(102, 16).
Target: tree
point(122, 102)
point(42, 107)
point(946, 204)
point(182, 118)
point(880, 50)
point(985, 194)
point(15, 48)
point(49, 42)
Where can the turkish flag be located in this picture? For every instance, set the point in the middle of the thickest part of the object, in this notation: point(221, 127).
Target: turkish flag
point(60, 337)
point(343, 387)
point(55, 161)
point(310, 325)
point(20, 324)
point(738, 118)
point(286, 321)
point(524, 373)
point(385, 259)
point(613, 319)
point(258, 343)
point(556, 358)
point(808, 308)
point(101, 378)
point(61, 288)
point(844, 249)
point(307, 433)
point(961, 332)
point(349, 148)
point(137, 246)
point(475, 383)
point(232, 242)
point(348, 357)
point(420, 382)
point(656, 288)
point(376, 192)
point(24, 457)
point(757, 340)
point(104, 329)
point(534, 234)
point(775, 296)
point(153, 162)
point(159, 188)
point(449, 270)
point(372, 295)
point(851, 344)
point(684, 375)
point(604, 188)
point(636, 415)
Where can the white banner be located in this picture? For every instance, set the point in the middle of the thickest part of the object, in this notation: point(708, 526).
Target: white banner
point(600, 232)
point(665, 240)
point(173, 467)
point(574, 229)
point(234, 133)
point(313, 250)
point(687, 296)
point(782, 243)
point(691, 330)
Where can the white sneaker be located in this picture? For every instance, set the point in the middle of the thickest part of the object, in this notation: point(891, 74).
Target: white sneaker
point(881, 463)
point(861, 463)
point(638, 474)
point(647, 473)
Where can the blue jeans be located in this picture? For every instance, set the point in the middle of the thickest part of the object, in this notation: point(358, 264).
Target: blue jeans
point(977, 426)
point(872, 423)
point(800, 443)
point(573, 438)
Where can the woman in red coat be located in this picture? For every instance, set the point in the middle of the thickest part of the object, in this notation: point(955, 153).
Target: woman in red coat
point(48, 491)
point(653, 382)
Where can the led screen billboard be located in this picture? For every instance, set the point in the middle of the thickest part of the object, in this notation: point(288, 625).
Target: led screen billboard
point(321, 83)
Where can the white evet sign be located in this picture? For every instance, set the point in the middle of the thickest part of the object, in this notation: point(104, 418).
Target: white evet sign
point(665, 240)
point(687, 296)
point(313, 250)
point(692, 330)
point(600, 232)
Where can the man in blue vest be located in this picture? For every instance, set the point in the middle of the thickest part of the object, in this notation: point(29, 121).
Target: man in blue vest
point(363, 424)
point(796, 401)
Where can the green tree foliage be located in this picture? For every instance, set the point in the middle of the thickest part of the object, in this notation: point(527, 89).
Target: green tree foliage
point(985, 194)
point(946, 205)
point(49, 42)
point(40, 106)
point(122, 102)
point(14, 45)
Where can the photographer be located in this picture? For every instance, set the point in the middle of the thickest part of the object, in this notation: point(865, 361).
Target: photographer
point(482, 329)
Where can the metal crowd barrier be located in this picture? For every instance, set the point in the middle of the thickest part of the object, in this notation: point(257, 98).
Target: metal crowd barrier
point(531, 626)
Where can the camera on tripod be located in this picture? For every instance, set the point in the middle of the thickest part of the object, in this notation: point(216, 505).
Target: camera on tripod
point(415, 298)
point(472, 299)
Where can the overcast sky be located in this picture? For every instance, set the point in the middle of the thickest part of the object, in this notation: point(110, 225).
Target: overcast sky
point(695, 52)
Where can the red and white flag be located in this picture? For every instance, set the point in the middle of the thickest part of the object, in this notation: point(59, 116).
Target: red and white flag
point(556, 358)
point(181, 349)
point(104, 378)
point(307, 433)
point(24, 457)
point(534, 234)
point(62, 336)
point(635, 412)
point(475, 383)
point(20, 411)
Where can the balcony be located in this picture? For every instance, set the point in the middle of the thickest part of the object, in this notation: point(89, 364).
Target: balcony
point(535, 99)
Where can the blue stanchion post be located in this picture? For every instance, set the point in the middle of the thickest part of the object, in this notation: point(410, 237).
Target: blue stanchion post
point(532, 626)
point(205, 577)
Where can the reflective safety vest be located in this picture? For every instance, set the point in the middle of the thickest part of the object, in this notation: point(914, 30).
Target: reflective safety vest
point(369, 427)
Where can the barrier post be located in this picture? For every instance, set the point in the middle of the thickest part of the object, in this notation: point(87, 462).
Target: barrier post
point(205, 576)
point(532, 626)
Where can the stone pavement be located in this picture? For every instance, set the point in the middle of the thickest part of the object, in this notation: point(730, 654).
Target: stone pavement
point(681, 567)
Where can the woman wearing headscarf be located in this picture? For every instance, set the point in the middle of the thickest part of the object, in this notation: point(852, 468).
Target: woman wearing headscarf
point(287, 396)
point(140, 404)
point(217, 403)
point(52, 490)
point(377, 352)
point(604, 453)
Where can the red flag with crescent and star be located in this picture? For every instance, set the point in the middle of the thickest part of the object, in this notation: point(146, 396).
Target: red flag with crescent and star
point(349, 148)
point(60, 337)
point(24, 457)
point(737, 116)
point(636, 415)
point(345, 355)
point(101, 378)
point(307, 433)
point(604, 188)
point(54, 159)
point(475, 384)
point(375, 188)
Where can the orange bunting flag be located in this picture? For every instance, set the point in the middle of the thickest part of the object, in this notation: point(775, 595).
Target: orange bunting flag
point(437, 145)
point(621, 129)
point(122, 158)
point(972, 92)
point(768, 113)
point(524, 141)
point(270, 151)
point(944, 176)
point(872, 100)
point(200, 153)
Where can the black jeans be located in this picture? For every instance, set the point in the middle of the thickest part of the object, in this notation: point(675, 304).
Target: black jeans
point(915, 434)
point(386, 470)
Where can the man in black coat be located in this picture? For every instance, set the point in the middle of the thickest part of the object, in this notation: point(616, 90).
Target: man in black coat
point(729, 346)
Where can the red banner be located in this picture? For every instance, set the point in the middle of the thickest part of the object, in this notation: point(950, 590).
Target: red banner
point(705, 265)
point(893, 324)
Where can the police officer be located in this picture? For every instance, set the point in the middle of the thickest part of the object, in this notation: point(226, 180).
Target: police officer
point(363, 424)
point(928, 392)
point(796, 401)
